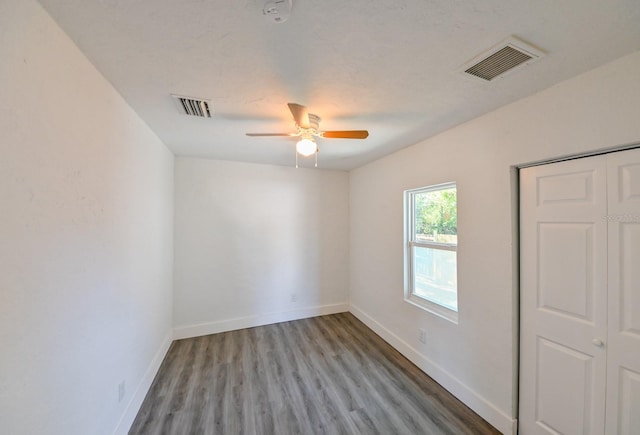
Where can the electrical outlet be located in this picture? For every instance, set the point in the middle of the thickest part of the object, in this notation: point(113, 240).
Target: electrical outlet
point(422, 336)
point(121, 391)
point(294, 297)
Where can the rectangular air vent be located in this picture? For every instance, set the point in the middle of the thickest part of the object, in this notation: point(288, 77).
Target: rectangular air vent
point(193, 106)
point(502, 59)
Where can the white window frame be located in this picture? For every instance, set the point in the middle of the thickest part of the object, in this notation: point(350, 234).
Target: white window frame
point(410, 243)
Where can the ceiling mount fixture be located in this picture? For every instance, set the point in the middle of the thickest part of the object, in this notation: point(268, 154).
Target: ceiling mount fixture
point(502, 59)
point(193, 106)
point(307, 125)
point(277, 11)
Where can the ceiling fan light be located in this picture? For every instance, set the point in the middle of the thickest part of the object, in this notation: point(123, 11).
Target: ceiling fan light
point(306, 147)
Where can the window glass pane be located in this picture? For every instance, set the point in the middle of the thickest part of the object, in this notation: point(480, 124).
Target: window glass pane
point(435, 276)
point(435, 217)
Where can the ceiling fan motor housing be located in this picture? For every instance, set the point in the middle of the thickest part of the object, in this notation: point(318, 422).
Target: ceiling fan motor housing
point(314, 121)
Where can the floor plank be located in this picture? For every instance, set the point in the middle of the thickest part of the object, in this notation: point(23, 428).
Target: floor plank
point(324, 375)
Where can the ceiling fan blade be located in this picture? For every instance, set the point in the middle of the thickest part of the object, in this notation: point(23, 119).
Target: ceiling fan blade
point(346, 134)
point(300, 114)
point(271, 134)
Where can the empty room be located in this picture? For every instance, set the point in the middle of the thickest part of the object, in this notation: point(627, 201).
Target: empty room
point(319, 217)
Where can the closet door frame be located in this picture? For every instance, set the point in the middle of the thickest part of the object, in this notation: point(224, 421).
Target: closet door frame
point(618, 416)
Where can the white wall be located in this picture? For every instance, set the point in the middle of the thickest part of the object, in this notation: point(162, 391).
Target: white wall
point(249, 236)
point(476, 358)
point(86, 245)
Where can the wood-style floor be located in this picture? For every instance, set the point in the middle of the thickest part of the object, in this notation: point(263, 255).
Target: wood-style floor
point(324, 375)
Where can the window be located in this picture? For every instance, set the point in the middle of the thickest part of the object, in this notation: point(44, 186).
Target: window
point(431, 237)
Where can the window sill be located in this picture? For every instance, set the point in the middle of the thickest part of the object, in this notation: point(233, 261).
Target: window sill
point(433, 308)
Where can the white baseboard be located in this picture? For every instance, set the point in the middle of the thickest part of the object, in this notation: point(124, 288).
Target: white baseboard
point(135, 403)
point(207, 328)
point(473, 400)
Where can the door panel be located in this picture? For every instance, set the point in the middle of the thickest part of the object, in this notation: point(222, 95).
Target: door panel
point(566, 286)
point(566, 188)
point(628, 181)
point(563, 297)
point(623, 352)
point(627, 416)
point(630, 278)
point(563, 388)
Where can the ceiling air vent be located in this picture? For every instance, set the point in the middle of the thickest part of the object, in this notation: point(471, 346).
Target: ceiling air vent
point(502, 59)
point(193, 106)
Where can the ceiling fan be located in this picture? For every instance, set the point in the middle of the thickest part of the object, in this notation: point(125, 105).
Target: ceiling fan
point(307, 128)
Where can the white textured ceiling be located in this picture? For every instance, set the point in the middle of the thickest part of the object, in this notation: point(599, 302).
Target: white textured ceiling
point(389, 66)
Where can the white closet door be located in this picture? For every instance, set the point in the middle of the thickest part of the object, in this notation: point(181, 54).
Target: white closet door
point(563, 303)
point(623, 343)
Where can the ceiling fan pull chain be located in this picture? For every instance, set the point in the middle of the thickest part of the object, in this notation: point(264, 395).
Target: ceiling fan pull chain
point(296, 151)
point(316, 158)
